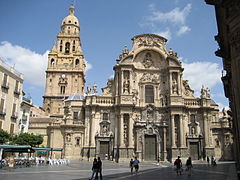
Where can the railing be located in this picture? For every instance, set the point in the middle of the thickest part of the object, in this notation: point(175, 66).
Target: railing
point(2, 112)
point(17, 91)
point(104, 100)
point(26, 99)
point(192, 102)
point(14, 116)
point(24, 118)
point(5, 85)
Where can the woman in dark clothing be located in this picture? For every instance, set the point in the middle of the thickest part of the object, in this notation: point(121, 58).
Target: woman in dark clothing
point(189, 166)
point(94, 168)
point(99, 166)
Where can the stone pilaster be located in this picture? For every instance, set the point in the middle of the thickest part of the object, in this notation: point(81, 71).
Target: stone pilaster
point(173, 131)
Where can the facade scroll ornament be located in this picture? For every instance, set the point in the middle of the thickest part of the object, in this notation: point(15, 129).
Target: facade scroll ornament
point(188, 90)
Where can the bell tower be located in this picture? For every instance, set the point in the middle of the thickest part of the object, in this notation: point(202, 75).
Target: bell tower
point(66, 66)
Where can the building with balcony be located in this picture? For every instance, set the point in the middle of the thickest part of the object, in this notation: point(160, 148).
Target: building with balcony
point(228, 39)
point(11, 97)
point(147, 110)
point(26, 105)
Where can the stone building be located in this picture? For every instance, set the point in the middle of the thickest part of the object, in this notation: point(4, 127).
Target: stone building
point(24, 115)
point(228, 38)
point(147, 110)
point(11, 96)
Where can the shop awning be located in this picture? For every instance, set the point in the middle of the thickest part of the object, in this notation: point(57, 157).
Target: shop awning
point(16, 148)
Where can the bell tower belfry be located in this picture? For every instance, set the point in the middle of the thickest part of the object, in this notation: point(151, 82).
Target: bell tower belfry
point(66, 66)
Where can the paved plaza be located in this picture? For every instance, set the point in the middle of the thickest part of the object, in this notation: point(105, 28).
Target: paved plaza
point(80, 170)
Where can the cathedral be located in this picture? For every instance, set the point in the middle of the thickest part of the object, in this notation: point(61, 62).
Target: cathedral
point(147, 110)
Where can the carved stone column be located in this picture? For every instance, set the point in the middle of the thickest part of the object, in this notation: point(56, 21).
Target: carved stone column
point(181, 130)
point(173, 131)
point(206, 134)
point(121, 131)
point(170, 82)
point(130, 140)
point(179, 83)
point(164, 142)
point(92, 124)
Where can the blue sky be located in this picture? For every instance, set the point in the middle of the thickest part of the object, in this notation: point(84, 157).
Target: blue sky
point(29, 28)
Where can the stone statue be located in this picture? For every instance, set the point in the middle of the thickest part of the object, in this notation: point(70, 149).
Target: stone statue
point(88, 90)
point(174, 86)
point(126, 87)
point(94, 89)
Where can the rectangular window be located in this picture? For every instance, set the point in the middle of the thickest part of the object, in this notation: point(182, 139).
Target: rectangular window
point(12, 129)
point(2, 106)
point(149, 94)
point(5, 79)
point(14, 109)
point(105, 116)
point(75, 115)
point(16, 86)
point(0, 124)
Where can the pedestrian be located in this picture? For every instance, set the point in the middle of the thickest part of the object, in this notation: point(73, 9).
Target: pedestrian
point(136, 165)
point(158, 160)
point(94, 168)
point(189, 166)
point(212, 160)
point(131, 165)
point(178, 164)
point(208, 160)
point(99, 168)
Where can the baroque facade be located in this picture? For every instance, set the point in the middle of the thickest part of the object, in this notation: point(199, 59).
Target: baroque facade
point(228, 38)
point(147, 110)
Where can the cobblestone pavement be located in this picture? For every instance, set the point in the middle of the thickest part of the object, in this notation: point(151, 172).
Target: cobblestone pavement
point(80, 170)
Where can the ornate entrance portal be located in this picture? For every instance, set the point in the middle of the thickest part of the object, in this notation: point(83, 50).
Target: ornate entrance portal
point(150, 148)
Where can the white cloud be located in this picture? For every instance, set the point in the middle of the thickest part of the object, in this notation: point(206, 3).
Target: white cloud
point(202, 73)
point(174, 20)
point(176, 16)
point(88, 66)
point(182, 30)
point(167, 34)
point(30, 63)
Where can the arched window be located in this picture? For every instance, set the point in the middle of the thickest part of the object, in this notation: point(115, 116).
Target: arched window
point(62, 89)
point(149, 94)
point(74, 45)
point(77, 62)
point(52, 62)
point(67, 47)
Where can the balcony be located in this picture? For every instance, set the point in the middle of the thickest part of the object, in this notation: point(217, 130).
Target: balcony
point(5, 86)
point(24, 118)
point(14, 116)
point(17, 92)
point(2, 112)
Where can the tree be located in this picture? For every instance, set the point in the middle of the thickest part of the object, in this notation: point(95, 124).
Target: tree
point(28, 139)
point(4, 136)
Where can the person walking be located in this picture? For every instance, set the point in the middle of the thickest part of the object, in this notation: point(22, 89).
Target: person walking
point(208, 160)
point(99, 168)
point(136, 165)
point(94, 168)
point(212, 160)
point(131, 165)
point(189, 166)
point(178, 164)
